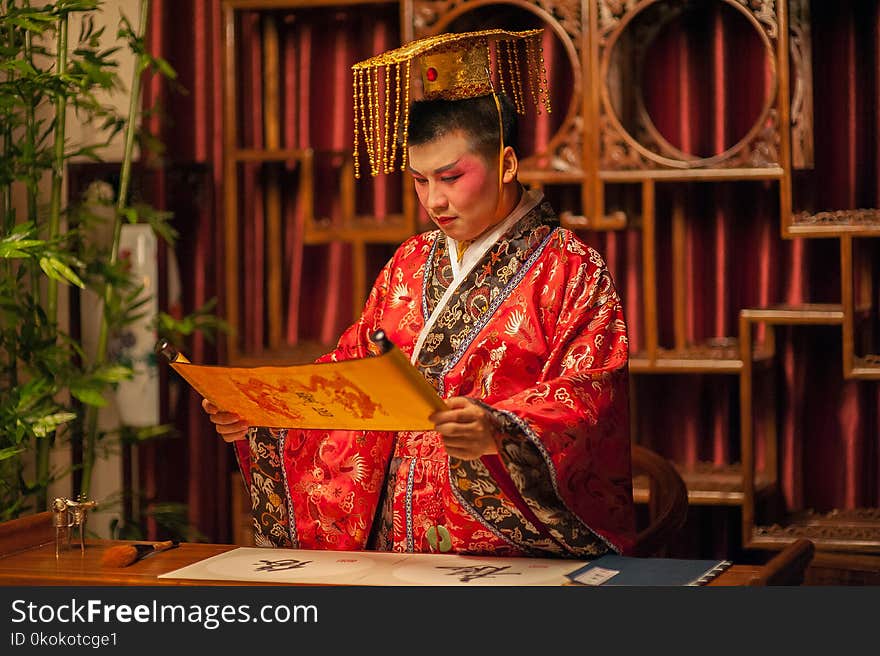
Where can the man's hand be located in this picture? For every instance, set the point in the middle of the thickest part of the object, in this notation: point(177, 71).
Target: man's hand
point(466, 428)
point(228, 425)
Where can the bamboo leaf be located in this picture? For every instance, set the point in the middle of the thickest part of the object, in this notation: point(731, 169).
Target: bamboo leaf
point(164, 68)
point(32, 23)
point(17, 250)
point(31, 393)
point(20, 231)
point(114, 374)
point(58, 270)
point(88, 395)
point(69, 6)
point(10, 452)
point(45, 425)
point(21, 66)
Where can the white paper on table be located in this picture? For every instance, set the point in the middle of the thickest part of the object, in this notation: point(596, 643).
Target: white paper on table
point(375, 568)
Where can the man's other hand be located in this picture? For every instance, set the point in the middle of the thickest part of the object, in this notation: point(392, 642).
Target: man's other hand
point(228, 425)
point(466, 428)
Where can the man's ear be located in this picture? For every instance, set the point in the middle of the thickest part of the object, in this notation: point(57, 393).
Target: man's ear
point(510, 165)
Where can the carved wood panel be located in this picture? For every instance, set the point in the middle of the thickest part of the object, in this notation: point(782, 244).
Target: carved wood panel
point(564, 154)
point(633, 26)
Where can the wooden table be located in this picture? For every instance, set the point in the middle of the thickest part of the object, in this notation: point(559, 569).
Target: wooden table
point(27, 557)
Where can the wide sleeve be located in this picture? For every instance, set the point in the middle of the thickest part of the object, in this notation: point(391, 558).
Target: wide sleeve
point(564, 442)
point(354, 343)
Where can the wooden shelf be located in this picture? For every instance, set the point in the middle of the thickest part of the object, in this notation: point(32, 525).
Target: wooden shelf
point(826, 231)
point(709, 485)
point(538, 176)
point(719, 357)
point(299, 4)
point(856, 530)
point(866, 368)
point(859, 222)
point(692, 175)
point(809, 313)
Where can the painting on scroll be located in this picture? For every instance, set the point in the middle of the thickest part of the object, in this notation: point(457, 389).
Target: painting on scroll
point(376, 393)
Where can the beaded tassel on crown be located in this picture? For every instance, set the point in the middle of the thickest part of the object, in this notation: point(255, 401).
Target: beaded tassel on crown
point(452, 67)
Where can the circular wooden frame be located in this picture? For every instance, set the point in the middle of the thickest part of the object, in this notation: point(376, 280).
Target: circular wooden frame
point(570, 121)
point(677, 158)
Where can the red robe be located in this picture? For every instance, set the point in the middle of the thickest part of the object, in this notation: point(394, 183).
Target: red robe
point(535, 332)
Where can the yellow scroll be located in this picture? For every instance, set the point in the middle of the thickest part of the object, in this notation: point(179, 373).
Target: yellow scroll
point(384, 392)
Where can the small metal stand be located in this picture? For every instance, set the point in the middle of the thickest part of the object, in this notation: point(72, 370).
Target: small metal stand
point(67, 513)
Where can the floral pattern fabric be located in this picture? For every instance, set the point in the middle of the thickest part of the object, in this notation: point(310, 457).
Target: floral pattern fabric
point(269, 507)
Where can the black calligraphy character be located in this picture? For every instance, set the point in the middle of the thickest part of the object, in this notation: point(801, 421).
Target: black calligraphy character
point(280, 565)
point(468, 574)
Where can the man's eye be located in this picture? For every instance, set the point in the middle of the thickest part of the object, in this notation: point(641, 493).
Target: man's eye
point(420, 181)
point(450, 178)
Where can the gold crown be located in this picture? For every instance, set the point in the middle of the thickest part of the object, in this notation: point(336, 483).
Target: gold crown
point(452, 67)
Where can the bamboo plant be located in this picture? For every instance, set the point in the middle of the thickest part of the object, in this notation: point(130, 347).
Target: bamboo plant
point(51, 387)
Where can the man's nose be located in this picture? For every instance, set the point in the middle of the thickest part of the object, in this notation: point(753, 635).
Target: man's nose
point(436, 198)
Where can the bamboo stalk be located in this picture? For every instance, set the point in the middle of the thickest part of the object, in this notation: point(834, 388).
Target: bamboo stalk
point(31, 137)
point(8, 221)
point(31, 178)
point(42, 447)
point(57, 162)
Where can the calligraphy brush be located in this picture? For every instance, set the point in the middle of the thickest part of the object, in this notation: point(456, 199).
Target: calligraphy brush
point(124, 555)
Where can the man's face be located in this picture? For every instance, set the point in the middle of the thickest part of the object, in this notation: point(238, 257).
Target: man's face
point(455, 185)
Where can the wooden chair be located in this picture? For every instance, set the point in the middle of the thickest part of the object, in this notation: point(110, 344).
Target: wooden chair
point(667, 501)
point(789, 566)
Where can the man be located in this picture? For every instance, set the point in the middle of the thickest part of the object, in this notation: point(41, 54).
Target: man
point(517, 325)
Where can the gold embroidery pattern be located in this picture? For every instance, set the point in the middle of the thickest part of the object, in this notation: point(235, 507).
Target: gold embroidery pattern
point(497, 267)
point(475, 489)
point(471, 483)
point(530, 470)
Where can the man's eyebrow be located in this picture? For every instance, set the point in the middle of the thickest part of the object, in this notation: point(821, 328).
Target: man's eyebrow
point(443, 168)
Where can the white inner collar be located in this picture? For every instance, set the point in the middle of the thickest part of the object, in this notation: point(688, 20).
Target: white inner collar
point(527, 202)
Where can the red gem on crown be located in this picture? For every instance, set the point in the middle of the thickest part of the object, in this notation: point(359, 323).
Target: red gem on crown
point(431, 74)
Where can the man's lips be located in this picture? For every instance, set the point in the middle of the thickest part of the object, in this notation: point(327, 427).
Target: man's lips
point(443, 220)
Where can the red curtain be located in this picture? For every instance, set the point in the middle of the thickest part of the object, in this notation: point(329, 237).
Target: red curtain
point(192, 469)
point(829, 428)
